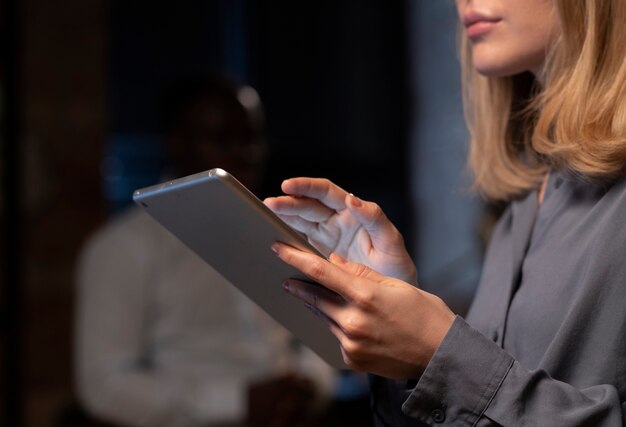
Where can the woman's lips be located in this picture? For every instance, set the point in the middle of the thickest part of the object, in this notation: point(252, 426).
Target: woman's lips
point(478, 24)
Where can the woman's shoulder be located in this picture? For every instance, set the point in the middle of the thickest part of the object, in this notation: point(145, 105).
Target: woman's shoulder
point(593, 214)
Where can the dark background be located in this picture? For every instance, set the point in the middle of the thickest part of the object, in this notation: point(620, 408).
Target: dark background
point(344, 84)
point(332, 77)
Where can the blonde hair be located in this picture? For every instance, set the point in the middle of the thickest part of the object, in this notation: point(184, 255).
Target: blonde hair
point(577, 122)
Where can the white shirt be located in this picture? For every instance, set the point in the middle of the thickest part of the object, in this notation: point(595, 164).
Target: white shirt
point(162, 339)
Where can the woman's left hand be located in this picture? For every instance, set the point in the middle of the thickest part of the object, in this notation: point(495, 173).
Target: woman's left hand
point(384, 325)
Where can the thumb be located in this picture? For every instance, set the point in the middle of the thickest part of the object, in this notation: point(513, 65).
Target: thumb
point(355, 268)
point(369, 214)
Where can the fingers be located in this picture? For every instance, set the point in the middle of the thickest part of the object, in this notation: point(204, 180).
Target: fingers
point(345, 342)
point(375, 222)
point(308, 209)
point(326, 305)
point(316, 298)
point(334, 322)
point(310, 231)
point(355, 269)
point(341, 280)
point(321, 189)
point(299, 224)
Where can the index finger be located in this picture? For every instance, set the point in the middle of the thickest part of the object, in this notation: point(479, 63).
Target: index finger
point(322, 189)
point(321, 271)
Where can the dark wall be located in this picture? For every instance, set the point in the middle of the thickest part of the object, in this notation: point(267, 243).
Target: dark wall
point(150, 45)
point(333, 81)
point(331, 76)
point(56, 79)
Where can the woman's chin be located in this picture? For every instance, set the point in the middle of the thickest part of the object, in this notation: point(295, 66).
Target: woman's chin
point(503, 65)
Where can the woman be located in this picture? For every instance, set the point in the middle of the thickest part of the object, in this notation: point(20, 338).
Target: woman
point(545, 85)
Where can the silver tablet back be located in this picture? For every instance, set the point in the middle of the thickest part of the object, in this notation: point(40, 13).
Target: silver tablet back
point(232, 230)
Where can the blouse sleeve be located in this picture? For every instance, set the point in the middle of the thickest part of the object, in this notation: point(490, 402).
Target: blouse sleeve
point(471, 381)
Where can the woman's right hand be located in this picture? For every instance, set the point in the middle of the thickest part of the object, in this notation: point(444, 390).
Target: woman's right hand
point(335, 221)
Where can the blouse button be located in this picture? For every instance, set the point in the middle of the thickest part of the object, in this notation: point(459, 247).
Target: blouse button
point(438, 416)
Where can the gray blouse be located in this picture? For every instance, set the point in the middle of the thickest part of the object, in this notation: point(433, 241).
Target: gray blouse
point(547, 341)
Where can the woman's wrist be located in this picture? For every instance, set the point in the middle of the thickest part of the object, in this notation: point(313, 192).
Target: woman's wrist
point(441, 321)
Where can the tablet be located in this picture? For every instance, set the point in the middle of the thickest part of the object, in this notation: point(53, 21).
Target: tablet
point(228, 227)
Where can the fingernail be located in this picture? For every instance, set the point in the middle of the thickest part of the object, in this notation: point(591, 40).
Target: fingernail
point(356, 202)
point(274, 249)
point(286, 286)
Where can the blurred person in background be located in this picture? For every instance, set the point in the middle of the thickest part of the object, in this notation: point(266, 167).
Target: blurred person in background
point(161, 338)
